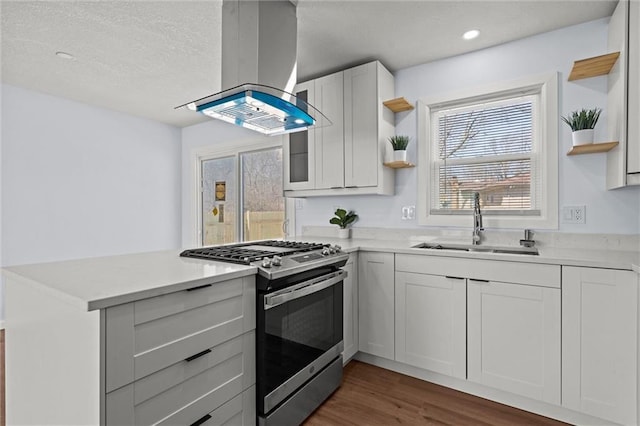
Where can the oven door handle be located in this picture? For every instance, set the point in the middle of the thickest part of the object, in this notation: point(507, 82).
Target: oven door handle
point(303, 289)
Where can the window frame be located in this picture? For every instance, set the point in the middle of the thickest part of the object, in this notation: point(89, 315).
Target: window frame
point(547, 151)
point(232, 150)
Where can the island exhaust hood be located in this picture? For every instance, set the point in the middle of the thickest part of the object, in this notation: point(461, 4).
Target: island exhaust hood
point(259, 42)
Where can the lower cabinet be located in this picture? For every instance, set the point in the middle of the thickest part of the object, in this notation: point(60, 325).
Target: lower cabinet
point(431, 321)
point(350, 301)
point(376, 304)
point(514, 338)
point(599, 343)
point(182, 358)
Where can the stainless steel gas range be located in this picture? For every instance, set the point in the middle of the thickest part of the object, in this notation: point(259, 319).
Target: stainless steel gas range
point(298, 323)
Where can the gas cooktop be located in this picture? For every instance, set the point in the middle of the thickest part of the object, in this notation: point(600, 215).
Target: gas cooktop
point(275, 259)
point(246, 253)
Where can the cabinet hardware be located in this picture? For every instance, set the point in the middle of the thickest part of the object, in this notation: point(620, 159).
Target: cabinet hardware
point(201, 420)
point(453, 278)
point(479, 281)
point(199, 287)
point(198, 355)
point(337, 187)
point(352, 186)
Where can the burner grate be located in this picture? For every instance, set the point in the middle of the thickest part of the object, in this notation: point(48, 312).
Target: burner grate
point(238, 253)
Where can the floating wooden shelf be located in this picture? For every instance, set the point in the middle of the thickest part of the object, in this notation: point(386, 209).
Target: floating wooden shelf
point(398, 105)
point(592, 67)
point(399, 165)
point(592, 148)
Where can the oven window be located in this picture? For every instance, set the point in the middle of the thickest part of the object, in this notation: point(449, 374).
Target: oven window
point(297, 332)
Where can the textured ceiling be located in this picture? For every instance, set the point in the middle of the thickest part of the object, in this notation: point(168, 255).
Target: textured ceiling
point(146, 57)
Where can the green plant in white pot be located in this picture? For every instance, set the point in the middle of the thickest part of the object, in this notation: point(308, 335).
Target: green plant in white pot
point(399, 144)
point(343, 219)
point(582, 124)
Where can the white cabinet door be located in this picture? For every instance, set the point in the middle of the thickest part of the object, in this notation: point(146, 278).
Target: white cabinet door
point(350, 301)
point(329, 140)
point(376, 303)
point(514, 338)
point(367, 126)
point(599, 342)
point(299, 149)
point(431, 322)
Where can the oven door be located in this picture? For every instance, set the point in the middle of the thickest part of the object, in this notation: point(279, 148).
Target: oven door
point(299, 332)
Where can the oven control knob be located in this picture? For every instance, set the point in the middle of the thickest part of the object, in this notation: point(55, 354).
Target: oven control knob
point(332, 250)
point(325, 251)
point(338, 248)
point(276, 261)
point(266, 262)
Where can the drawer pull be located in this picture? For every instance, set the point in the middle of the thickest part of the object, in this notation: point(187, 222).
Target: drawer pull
point(453, 278)
point(202, 420)
point(199, 287)
point(479, 281)
point(198, 355)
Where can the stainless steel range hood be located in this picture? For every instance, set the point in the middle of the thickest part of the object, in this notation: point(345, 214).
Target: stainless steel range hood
point(259, 42)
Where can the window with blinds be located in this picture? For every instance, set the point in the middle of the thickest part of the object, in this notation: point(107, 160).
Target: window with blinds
point(487, 147)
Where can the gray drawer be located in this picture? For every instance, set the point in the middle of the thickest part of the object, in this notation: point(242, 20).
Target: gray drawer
point(188, 390)
point(148, 335)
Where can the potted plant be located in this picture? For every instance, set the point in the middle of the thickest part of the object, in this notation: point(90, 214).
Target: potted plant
point(343, 220)
point(399, 144)
point(582, 123)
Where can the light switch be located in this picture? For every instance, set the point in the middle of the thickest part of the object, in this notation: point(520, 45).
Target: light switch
point(574, 214)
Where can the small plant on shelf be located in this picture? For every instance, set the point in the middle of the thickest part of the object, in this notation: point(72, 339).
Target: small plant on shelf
point(343, 219)
point(583, 119)
point(399, 144)
point(582, 124)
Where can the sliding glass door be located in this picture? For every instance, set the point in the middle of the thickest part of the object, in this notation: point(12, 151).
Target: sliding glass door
point(242, 197)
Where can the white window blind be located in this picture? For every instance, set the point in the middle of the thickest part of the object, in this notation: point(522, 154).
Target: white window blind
point(489, 147)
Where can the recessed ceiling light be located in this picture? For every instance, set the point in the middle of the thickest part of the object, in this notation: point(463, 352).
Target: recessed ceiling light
point(65, 55)
point(471, 34)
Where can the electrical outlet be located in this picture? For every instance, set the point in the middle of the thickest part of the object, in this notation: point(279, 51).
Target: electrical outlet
point(408, 212)
point(574, 214)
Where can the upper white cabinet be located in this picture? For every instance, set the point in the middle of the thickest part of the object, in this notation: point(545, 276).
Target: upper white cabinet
point(375, 304)
point(329, 140)
point(367, 127)
point(346, 157)
point(623, 161)
point(599, 342)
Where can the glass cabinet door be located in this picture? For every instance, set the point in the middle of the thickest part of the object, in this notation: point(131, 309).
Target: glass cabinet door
point(299, 170)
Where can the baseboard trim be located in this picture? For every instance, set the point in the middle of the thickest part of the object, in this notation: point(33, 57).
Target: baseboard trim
point(502, 397)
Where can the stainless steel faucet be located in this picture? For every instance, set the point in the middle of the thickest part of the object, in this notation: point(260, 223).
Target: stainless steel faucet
point(477, 219)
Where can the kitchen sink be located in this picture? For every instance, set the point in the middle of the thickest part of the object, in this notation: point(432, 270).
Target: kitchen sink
point(480, 248)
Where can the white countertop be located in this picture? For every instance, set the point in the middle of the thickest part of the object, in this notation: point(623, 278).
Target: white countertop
point(611, 259)
point(96, 283)
point(100, 282)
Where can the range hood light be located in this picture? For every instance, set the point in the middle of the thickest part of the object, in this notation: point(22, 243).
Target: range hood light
point(192, 106)
point(263, 109)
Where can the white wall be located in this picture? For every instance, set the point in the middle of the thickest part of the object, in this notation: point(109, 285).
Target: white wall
point(581, 178)
point(80, 181)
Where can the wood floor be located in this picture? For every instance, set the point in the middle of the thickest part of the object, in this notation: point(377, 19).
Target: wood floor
point(374, 396)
